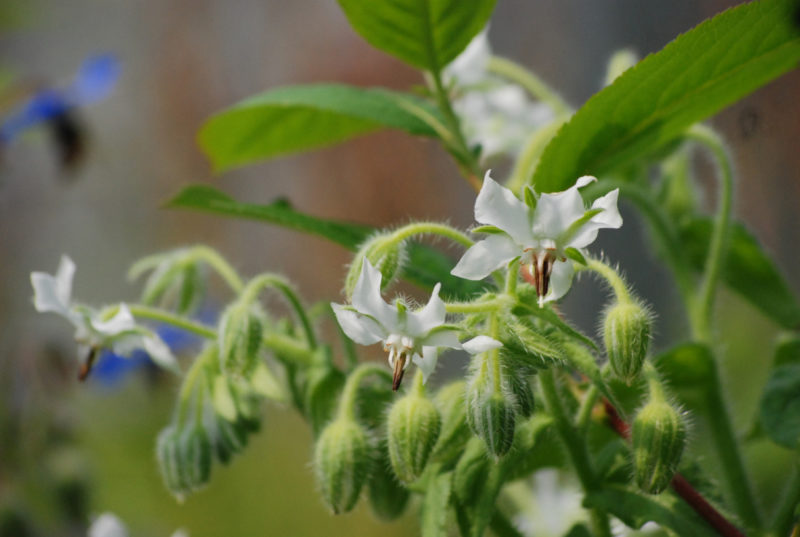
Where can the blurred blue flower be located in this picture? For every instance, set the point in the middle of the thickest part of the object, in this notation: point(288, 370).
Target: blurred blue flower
point(93, 82)
point(112, 369)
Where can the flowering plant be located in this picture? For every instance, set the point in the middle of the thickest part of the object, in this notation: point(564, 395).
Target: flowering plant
point(536, 392)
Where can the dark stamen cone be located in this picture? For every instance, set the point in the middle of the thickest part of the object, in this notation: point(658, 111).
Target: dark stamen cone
point(537, 273)
point(399, 370)
point(86, 367)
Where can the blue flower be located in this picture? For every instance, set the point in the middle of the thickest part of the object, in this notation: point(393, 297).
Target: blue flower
point(93, 82)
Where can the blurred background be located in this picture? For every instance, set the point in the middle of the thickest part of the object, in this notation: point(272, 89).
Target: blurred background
point(70, 450)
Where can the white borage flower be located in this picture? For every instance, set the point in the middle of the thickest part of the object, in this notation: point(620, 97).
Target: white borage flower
point(109, 525)
point(496, 115)
point(539, 233)
point(120, 333)
point(408, 336)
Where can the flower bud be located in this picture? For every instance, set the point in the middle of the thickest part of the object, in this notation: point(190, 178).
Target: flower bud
point(387, 497)
point(229, 438)
point(342, 463)
point(658, 436)
point(455, 431)
point(626, 332)
point(240, 332)
point(168, 455)
point(412, 428)
point(386, 254)
point(322, 387)
point(194, 449)
point(491, 413)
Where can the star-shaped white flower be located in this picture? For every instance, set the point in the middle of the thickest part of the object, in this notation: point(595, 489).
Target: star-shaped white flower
point(408, 336)
point(539, 235)
point(120, 333)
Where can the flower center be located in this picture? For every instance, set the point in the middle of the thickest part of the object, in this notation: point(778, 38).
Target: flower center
point(537, 268)
point(400, 349)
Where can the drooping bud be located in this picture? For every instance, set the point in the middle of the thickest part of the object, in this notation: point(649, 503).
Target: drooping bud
point(386, 254)
point(239, 338)
point(626, 332)
point(658, 436)
point(168, 455)
point(322, 387)
point(413, 427)
point(491, 408)
point(228, 438)
point(455, 431)
point(195, 455)
point(342, 463)
point(387, 497)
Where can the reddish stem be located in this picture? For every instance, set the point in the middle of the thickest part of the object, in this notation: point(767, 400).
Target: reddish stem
point(682, 488)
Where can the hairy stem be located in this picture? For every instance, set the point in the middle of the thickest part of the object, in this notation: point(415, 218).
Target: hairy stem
point(271, 280)
point(166, 317)
point(349, 397)
point(530, 82)
point(432, 228)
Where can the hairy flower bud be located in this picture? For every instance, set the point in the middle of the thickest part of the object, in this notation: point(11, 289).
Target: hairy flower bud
point(240, 332)
point(413, 427)
point(342, 463)
point(491, 413)
point(168, 455)
point(626, 332)
point(229, 438)
point(194, 449)
point(386, 254)
point(658, 436)
point(455, 431)
point(387, 497)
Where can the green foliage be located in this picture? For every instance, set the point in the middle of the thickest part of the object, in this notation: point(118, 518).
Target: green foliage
point(698, 74)
point(435, 502)
point(427, 34)
point(748, 270)
point(298, 118)
point(780, 406)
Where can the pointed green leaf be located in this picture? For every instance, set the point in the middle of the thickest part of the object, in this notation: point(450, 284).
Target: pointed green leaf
point(748, 270)
point(297, 118)
point(694, 77)
point(426, 266)
point(427, 34)
point(780, 406)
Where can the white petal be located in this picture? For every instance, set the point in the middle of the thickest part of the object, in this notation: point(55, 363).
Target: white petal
point(52, 293)
point(609, 218)
point(107, 525)
point(481, 344)
point(122, 321)
point(486, 256)
point(555, 212)
point(367, 297)
point(470, 66)
point(499, 207)
point(444, 337)
point(426, 362)
point(160, 353)
point(359, 328)
point(560, 280)
point(419, 323)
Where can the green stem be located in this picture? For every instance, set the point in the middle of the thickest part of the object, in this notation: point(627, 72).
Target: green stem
point(349, 397)
point(494, 354)
point(432, 228)
point(286, 347)
point(784, 513)
point(576, 447)
point(219, 264)
point(271, 280)
point(512, 276)
point(189, 382)
point(530, 82)
point(459, 147)
point(163, 316)
point(484, 306)
point(614, 280)
point(584, 415)
point(718, 246)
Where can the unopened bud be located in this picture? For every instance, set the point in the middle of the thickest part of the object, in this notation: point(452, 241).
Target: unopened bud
point(229, 438)
point(322, 388)
point(342, 463)
point(195, 455)
point(491, 413)
point(168, 455)
point(412, 427)
point(455, 431)
point(386, 254)
point(387, 497)
point(626, 332)
point(658, 436)
point(240, 332)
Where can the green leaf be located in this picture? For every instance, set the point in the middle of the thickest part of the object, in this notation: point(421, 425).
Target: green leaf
point(787, 350)
point(635, 509)
point(428, 34)
point(297, 118)
point(425, 267)
point(433, 515)
point(748, 270)
point(780, 406)
point(695, 76)
point(690, 371)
